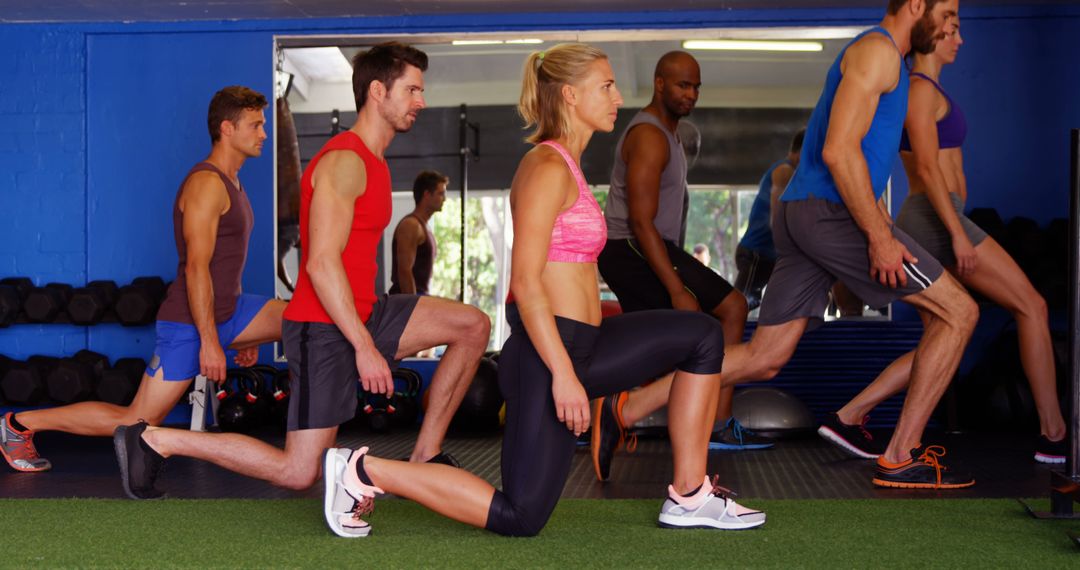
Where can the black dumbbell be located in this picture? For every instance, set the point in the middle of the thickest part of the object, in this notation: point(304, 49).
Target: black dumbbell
point(119, 384)
point(13, 292)
point(46, 304)
point(98, 362)
point(137, 303)
point(89, 304)
point(5, 365)
point(70, 381)
point(24, 382)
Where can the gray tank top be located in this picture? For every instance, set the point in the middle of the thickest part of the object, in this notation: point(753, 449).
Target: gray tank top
point(669, 211)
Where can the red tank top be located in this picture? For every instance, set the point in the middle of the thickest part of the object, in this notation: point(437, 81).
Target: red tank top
point(371, 215)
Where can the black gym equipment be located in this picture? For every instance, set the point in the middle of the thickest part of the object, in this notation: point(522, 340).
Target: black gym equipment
point(13, 292)
point(479, 409)
point(10, 303)
point(88, 305)
point(119, 384)
point(24, 382)
point(235, 413)
point(70, 381)
point(137, 303)
point(46, 304)
point(1065, 485)
point(400, 410)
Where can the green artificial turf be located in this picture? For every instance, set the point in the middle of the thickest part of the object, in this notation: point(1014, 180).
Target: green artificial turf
point(582, 533)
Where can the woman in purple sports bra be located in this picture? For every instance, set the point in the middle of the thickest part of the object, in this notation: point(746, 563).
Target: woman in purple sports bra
point(559, 354)
point(932, 214)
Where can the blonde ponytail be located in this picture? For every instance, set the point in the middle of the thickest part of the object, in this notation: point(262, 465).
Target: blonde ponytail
point(541, 104)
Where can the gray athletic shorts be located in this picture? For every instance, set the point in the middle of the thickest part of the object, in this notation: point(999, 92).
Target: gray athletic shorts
point(919, 219)
point(818, 243)
point(322, 364)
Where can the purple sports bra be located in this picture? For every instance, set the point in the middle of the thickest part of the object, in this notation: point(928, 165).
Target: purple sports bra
point(951, 129)
point(579, 233)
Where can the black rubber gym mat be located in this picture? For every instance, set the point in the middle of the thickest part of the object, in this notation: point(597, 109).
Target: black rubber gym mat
point(804, 468)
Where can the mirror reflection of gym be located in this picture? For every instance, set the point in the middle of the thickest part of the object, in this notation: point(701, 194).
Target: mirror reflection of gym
point(752, 102)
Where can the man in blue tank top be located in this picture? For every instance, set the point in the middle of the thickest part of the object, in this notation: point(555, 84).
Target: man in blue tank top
point(830, 226)
point(755, 255)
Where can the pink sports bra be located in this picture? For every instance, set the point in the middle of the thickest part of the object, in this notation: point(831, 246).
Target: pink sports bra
point(579, 233)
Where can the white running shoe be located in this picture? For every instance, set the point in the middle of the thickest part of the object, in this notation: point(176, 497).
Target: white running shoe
point(346, 498)
point(711, 507)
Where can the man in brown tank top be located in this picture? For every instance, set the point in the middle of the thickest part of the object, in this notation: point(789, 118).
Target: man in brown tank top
point(338, 335)
point(414, 246)
point(205, 312)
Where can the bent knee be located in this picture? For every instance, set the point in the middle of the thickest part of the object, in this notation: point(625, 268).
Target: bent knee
point(478, 326)
point(297, 480)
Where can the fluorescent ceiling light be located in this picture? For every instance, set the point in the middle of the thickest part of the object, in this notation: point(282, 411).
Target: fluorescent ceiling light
point(475, 42)
point(525, 41)
point(752, 45)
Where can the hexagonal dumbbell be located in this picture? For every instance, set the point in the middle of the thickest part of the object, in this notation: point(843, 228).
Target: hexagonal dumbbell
point(137, 304)
point(46, 304)
point(89, 304)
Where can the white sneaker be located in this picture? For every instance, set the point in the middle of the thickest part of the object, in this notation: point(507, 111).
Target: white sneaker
point(346, 498)
point(710, 507)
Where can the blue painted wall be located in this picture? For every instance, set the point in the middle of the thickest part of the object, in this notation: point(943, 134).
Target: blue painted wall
point(99, 122)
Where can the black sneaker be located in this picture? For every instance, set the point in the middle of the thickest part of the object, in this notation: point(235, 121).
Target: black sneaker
point(923, 471)
point(734, 437)
point(139, 468)
point(856, 440)
point(1053, 452)
point(445, 459)
point(608, 432)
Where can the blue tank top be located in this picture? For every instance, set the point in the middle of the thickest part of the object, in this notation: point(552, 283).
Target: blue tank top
point(880, 145)
point(758, 236)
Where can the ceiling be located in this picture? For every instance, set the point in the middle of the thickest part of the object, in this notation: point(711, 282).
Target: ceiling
point(491, 74)
point(183, 10)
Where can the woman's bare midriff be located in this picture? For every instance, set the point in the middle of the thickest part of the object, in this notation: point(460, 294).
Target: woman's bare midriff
point(950, 160)
point(573, 291)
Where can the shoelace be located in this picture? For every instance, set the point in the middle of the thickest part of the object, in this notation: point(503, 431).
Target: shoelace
point(930, 457)
point(738, 429)
point(721, 491)
point(866, 432)
point(362, 507)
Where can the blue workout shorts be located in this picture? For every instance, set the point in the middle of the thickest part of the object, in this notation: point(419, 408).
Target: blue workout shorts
point(178, 344)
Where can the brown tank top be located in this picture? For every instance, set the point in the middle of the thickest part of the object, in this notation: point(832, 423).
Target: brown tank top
point(423, 264)
point(227, 263)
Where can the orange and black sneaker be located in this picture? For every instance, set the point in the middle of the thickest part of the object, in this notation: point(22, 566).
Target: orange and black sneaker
point(608, 432)
point(923, 471)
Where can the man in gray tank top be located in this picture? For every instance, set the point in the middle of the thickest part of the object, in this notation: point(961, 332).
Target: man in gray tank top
point(642, 262)
point(205, 311)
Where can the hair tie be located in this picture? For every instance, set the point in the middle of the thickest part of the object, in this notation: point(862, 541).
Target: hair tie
point(539, 59)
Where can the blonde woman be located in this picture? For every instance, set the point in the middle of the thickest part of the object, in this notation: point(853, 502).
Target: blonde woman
point(559, 354)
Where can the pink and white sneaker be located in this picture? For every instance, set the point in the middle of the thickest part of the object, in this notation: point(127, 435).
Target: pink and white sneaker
point(346, 498)
point(711, 507)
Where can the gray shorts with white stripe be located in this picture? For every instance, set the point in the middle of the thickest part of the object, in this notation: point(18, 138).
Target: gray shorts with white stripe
point(817, 244)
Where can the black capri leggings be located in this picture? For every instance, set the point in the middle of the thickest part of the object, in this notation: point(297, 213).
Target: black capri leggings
point(620, 354)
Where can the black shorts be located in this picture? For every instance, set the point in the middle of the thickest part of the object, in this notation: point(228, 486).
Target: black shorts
point(629, 276)
point(322, 363)
point(754, 272)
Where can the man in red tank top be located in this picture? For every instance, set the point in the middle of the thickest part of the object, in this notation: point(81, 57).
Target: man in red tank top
point(205, 311)
point(336, 332)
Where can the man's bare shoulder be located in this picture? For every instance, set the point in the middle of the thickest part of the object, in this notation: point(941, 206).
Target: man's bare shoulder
point(342, 169)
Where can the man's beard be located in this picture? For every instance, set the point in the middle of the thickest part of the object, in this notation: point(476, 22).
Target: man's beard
point(923, 39)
